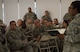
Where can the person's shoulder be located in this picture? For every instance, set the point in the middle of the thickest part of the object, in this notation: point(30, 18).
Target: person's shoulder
point(26, 13)
point(78, 15)
point(17, 29)
point(43, 16)
point(1, 22)
point(8, 32)
point(33, 13)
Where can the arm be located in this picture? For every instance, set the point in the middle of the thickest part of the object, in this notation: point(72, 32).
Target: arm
point(75, 36)
point(74, 31)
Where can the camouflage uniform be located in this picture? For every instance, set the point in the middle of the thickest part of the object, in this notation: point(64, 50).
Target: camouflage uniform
point(17, 41)
point(30, 15)
point(67, 17)
point(39, 30)
point(29, 31)
point(72, 37)
point(48, 27)
point(3, 42)
point(46, 18)
point(1, 49)
point(1, 21)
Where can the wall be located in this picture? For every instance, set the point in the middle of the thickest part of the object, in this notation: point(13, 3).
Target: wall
point(15, 9)
point(10, 11)
point(1, 9)
point(24, 4)
point(53, 6)
point(64, 6)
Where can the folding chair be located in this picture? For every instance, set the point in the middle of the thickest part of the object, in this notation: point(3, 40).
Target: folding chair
point(44, 44)
point(53, 44)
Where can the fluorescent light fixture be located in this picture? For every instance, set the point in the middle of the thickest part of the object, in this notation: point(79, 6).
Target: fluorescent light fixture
point(3, 10)
point(18, 11)
point(35, 6)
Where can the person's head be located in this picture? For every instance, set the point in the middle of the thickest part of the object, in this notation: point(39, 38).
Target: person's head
point(19, 22)
point(55, 21)
point(29, 9)
point(65, 24)
point(29, 21)
point(37, 22)
point(74, 8)
point(46, 12)
point(47, 23)
point(12, 24)
point(2, 24)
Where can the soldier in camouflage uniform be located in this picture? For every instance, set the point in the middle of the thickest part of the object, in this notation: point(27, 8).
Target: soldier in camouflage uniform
point(72, 37)
point(38, 27)
point(38, 32)
point(29, 23)
point(30, 15)
point(48, 25)
point(1, 21)
point(56, 23)
point(29, 28)
point(17, 41)
point(46, 16)
point(19, 23)
point(3, 42)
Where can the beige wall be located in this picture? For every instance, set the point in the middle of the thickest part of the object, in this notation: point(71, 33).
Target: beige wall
point(64, 6)
point(1, 9)
point(11, 10)
point(53, 6)
point(24, 4)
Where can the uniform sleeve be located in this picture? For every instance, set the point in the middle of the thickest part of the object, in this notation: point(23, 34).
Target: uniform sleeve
point(1, 49)
point(23, 37)
point(10, 39)
point(15, 44)
point(35, 16)
point(1, 38)
point(75, 37)
point(25, 17)
point(74, 28)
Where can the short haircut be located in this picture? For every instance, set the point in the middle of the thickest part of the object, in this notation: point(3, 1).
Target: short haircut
point(66, 22)
point(29, 7)
point(11, 22)
point(76, 4)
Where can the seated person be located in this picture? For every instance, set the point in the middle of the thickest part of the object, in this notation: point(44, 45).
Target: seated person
point(3, 42)
point(56, 23)
point(19, 23)
point(37, 27)
point(29, 27)
point(65, 24)
point(48, 25)
point(16, 39)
